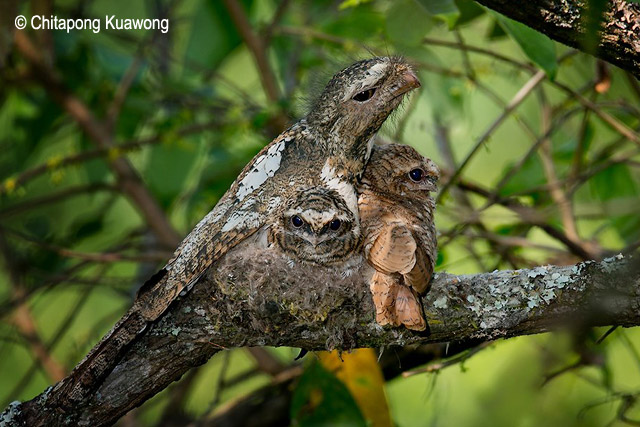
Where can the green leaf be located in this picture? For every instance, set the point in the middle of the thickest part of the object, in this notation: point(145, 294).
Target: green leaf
point(469, 11)
point(617, 182)
point(213, 34)
point(614, 182)
point(320, 399)
point(530, 175)
point(442, 9)
point(352, 23)
point(351, 3)
point(539, 48)
point(495, 31)
point(168, 168)
point(406, 24)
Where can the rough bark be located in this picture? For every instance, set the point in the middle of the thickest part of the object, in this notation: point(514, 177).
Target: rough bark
point(565, 21)
point(226, 310)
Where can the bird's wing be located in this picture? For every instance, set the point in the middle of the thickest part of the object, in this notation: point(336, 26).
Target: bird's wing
point(188, 267)
point(238, 214)
point(393, 251)
point(420, 275)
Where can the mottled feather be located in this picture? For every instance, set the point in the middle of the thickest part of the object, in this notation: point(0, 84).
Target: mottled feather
point(393, 250)
point(408, 310)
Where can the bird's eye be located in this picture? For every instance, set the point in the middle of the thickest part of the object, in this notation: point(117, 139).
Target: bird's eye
point(365, 95)
point(335, 224)
point(296, 221)
point(416, 174)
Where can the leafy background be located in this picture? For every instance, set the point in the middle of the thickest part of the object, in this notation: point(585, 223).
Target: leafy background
point(511, 117)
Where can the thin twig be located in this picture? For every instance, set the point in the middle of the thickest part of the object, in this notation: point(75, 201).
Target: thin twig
point(465, 54)
point(256, 47)
point(102, 257)
point(520, 96)
point(117, 150)
point(275, 21)
point(555, 374)
point(560, 198)
point(436, 367)
point(266, 361)
point(444, 146)
point(615, 124)
point(62, 329)
point(60, 196)
point(522, 211)
point(470, 48)
point(113, 111)
point(23, 318)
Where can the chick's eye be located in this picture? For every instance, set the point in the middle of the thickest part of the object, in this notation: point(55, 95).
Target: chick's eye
point(335, 224)
point(296, 221)
point(365, 95)
point(416, 174)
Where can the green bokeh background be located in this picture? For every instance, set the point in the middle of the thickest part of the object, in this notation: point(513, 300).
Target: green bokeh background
point(202, 72)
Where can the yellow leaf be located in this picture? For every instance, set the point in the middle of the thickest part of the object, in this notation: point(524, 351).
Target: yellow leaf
point(361, 374)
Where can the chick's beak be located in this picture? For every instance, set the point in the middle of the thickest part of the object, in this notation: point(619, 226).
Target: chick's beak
point(316, 240)
point(431, 186)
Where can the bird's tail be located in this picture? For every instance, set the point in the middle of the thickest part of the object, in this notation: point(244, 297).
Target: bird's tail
point(89, 374)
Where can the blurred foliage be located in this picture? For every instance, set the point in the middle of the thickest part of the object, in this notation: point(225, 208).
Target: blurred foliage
point(359, 371)
point(193, 112)
point(321, 399)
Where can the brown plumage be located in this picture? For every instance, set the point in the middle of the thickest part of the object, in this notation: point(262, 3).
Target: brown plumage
point(396, 214)
point(327, 149)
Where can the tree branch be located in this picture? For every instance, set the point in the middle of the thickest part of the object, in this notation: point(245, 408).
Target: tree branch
point(250, 303)
point(564, 21)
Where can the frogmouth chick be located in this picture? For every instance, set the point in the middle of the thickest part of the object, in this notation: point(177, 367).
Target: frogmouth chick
point(396, 213)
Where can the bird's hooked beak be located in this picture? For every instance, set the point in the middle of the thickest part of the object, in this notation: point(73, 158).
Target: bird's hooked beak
point(408, 80)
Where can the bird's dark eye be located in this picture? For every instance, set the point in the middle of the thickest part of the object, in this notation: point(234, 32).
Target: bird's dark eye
point(335, 224)
point(416, 174)
point(365, 95)
point(296, 221)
